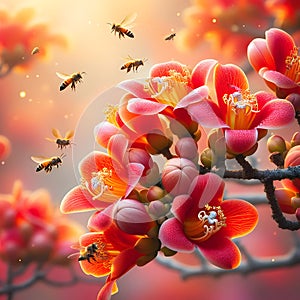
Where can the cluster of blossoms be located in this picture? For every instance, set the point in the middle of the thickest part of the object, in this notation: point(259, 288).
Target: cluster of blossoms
point(230, 25)
point(18, 38)
point(32, 231)
point(142, 208)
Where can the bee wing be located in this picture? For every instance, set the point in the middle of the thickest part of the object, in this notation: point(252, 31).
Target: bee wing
point(128, 20)
point(39, 159)
point(56, 133)
point(51, 140)
point(62, 75)
point(69, 134)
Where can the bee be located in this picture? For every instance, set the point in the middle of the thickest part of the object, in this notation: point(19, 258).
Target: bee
point(133, 64)
point(123, 28)
point(35, 50)
point(170, 37)
point(89, 253)
point(69, 79)
point(47, 163)
point(61, 142)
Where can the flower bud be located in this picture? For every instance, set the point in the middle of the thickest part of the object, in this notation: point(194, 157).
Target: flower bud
point(158, 142)
point(158, 209)
point(295, 100)
point(41, 245)
point(276, 143)
point(177, 175)
point(155, 193)
point(295, 139)
point(284, 197)
point(206, 157)
point(132, 217)
point(292, 159)
point(186, 148)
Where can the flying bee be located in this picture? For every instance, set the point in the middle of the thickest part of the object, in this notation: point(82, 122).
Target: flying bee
point(133, 64)
point(35, 50)
point(170, 37)
point(123, 28)
point(72, 79)
point(47, 163)
point(61, 142)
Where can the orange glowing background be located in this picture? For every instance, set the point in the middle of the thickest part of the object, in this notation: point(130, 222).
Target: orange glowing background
point(31, 105)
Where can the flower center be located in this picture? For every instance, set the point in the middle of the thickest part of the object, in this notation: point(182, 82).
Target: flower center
point(169, 89)
point(99, 252)
point(293, 66)
point(209, 220)
point(99, 183)
point(111, 114)
point(241, 109)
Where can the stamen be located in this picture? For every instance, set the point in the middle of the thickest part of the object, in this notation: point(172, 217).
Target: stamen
point(241, 109)
point(208, 222)
point(293, 65)
point(111, 113)
point(98, 183)
point(169, 89)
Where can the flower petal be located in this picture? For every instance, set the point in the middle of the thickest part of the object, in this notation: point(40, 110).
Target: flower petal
point(259, 55)
point(163, 69)
point(145, 107)
point(279, 79)
point(275, 114)
point(206, 189)
point(206, 113)
point(135, 172)
point(227, 80)
point(280, 44)
point(241, 217)
point(77, 200)
point(124, 262)
point(201, 72)
point(221, 251)
point(134, 87)
point(171, 235)
point(107, 290)
point(240, 141)
point(194, 96)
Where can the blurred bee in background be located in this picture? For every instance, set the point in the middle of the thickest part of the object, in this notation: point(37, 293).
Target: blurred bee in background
point(170, 37)
point(72, 79)
point(47, 163)
point(123, 28)
point(62, 142)
point(133, 64)
point(35, 50)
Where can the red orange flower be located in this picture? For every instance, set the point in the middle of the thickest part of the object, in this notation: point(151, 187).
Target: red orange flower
point(202, 219)
point(242, 115)
point(31, 230)
point(278, 66)
point(18, 38)
point(227, 25)
point(112, 252)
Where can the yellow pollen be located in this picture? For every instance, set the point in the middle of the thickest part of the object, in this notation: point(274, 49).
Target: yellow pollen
point(209, 220)
point(111, 113)
point(293, 65)
point(99, 183)
point(241, 109)
point(169, 89)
